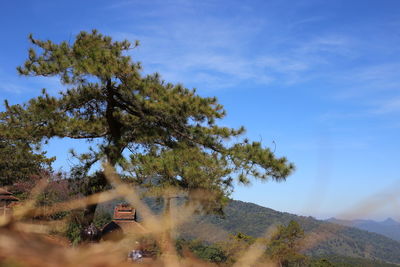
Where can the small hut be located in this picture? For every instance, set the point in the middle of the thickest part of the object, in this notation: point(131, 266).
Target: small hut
point(6, 201)
point(124, 222)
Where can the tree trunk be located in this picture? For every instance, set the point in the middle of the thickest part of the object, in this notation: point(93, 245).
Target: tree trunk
point(97, 183)
point(113, 150)
point(88, 214)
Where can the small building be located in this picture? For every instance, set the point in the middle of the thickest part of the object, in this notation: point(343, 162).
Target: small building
point(6, 201)
point(124, 222)
point(124, 213)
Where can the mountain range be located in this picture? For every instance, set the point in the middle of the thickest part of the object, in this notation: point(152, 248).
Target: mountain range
point(389, 227)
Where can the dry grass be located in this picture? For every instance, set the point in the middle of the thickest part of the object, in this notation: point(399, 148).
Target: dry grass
point(27, 242)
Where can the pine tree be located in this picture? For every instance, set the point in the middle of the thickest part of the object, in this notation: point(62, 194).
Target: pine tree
point(20, 160)
point(140, 124)
point(284, 245)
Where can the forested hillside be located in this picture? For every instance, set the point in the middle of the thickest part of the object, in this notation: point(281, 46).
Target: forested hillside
point(324, 238)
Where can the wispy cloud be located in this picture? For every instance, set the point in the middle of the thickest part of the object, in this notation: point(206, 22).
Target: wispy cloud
point(221, 52)
point(370, 79)
point(374, 89)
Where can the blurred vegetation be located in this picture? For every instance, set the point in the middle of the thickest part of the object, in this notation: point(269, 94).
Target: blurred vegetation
point(253, 220)
point(74, 227)
point(284, 245)
point(217, 253)
point(209, 252)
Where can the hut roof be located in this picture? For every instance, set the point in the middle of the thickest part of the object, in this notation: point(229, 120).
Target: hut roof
point(8, 197)
point(4, 192)
point(124, 212)
point(124, 222)
point(112, 231)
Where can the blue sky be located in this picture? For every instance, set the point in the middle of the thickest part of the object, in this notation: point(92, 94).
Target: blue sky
point(319, 78)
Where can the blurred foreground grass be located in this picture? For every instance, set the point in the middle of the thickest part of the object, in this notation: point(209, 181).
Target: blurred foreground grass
point(26, 240)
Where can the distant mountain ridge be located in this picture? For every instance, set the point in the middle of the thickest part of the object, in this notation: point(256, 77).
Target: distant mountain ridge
point(389, 227)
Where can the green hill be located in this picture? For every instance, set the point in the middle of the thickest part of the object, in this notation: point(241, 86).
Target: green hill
point(325, 239)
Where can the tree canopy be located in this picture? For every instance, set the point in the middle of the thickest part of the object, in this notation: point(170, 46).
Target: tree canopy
point(19, 161)
point(284, 245)
point(140, 124)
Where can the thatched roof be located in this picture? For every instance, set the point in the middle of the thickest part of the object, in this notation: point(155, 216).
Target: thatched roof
point(7, 196)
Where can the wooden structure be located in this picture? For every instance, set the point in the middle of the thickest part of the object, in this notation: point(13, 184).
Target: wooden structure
point(124, 213)
point(124, 222)
point(6, 201)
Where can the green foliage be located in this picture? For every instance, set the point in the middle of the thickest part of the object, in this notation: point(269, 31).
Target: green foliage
point(167, 130)
point(74, 227)
point(218, 253)
point(48, 199)
point(320, 263)
point(19, 161)
point(236, 245)
point(101, 219)
point(76, 222)
point(284, 245)
point(209, 252)
point(240, 237)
